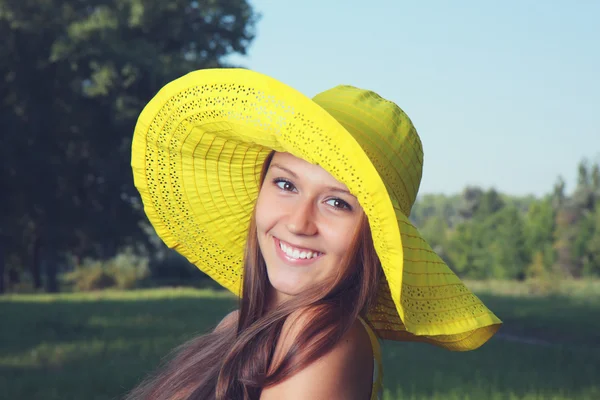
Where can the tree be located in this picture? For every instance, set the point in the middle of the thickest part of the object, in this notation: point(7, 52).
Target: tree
point(583, 175)
point(539, 233)
point(461, 246)
point(595, 184)
point(75, 77)
point(468, 252)
point(471, 198)
point(564, 237)
point(490, 202)
point(558, 194)
point(592, 249)
point(538, 267)
point(507, 244)
point(435, 205)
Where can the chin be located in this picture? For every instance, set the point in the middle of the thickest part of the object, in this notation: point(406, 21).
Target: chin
point(286, 286)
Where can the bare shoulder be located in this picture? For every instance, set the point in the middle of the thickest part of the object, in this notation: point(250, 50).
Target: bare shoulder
point(228, 321)
point(346, 372)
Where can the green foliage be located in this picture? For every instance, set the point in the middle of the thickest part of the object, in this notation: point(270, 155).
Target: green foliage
point(124, 271)
point(539, 232)
point(430, 205)
point(465, 252)
point(591, 247)
point(483, 234)
point(74, 76)
point(93, 277)
point(507, 244)
point(489, 203)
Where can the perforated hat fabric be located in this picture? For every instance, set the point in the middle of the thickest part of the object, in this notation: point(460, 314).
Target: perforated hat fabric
point(197, 152)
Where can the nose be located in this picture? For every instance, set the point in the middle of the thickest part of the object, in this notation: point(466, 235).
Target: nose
point(301, 219)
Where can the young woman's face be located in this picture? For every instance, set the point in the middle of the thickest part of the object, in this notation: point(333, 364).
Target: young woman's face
point(305, 221)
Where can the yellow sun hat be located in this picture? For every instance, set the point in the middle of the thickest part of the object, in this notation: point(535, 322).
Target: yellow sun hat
point(197, 153)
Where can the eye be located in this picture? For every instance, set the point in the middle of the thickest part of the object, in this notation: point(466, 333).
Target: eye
point(284, 184)
point(339, 204)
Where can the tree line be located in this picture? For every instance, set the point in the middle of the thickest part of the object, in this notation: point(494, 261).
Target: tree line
point(484, 234)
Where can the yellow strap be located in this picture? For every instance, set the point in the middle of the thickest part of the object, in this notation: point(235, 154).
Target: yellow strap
point(377, 390)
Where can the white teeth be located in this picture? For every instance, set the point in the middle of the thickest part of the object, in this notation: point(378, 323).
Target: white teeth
point(295, 253)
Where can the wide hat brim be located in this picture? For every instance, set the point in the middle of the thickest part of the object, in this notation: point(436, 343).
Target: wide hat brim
point(197, 153)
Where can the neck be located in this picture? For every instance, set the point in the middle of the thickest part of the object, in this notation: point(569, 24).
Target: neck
point(276, 298)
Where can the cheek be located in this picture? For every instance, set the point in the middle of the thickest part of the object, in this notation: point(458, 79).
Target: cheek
point(265, 213)
point(258, 215)
point(339, 237)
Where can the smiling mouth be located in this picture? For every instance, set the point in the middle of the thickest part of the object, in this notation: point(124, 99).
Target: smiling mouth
point(297, 254)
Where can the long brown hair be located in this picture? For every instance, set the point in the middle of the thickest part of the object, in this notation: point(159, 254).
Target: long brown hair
point(239, 363)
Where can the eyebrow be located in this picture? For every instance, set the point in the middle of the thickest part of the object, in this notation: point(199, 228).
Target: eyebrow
point(292, 173)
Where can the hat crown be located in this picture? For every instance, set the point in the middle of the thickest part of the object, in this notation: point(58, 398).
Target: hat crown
point(385, 133)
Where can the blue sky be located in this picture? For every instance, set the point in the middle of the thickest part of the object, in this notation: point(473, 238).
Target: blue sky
point(503, 94)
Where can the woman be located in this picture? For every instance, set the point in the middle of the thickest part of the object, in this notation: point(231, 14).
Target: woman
point(300, 207)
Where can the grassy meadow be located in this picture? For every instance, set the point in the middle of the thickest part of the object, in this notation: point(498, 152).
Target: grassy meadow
point(96, 346)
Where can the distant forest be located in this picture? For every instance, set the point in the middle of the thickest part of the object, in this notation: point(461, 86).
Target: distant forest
point(485, 234)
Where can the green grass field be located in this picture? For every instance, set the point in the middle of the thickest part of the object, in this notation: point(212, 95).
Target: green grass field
point(98, 345)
